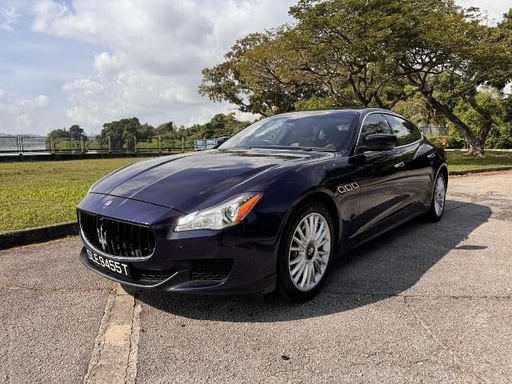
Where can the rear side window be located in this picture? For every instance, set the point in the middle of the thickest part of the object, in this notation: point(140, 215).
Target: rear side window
point(375, 123)
point(405, 131)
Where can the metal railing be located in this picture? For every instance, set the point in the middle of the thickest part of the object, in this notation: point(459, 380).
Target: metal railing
point(23, 144)
point(434, 130)
point(41, 144)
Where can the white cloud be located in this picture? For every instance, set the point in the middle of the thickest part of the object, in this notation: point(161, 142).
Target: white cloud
point(153, 52)
point(493, 8)
point(12, 105)
point(107, 66)
point(24, 120)
point(19, 111)
point(8, 18)
point(102, 60)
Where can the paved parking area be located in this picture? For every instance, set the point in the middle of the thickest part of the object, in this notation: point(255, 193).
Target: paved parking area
point(426, 303)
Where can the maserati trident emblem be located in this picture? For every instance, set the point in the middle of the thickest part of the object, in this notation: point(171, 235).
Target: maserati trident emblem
point(102, 236)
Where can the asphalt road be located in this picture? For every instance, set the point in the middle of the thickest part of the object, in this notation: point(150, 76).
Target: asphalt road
point(426, 303)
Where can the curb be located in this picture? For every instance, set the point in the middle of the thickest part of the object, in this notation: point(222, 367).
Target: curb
point(37, 235)
point(471, 171)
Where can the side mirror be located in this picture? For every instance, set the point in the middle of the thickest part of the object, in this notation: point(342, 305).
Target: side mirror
point(378, 142)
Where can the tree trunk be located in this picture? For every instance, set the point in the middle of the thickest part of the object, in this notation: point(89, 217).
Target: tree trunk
point(475, 142)
point(475, 147)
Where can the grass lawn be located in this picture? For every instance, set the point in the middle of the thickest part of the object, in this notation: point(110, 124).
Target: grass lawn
point(459, 161)
point(34, 194)
point(40, 193)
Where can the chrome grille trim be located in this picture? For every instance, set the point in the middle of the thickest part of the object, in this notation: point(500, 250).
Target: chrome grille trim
point(116, 238)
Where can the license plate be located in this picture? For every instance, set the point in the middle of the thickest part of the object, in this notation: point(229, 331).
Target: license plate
point(108, 264)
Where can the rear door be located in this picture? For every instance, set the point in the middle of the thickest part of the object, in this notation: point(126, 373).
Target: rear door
point(417, 167)
point(379, 177)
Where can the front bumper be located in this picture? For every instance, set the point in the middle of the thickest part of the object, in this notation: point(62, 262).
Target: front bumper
point(240, 259)
point(221, 276)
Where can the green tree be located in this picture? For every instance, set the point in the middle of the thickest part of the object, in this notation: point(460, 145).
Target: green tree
point(252, 77)
point(500, 135)
point(165, 128)
point(224, 82)
point(59, 134)
point(370, 53)
point(75, 132)
point(122, 133)
point(444, 52)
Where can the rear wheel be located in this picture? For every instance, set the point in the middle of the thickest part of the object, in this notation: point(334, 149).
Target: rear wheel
point(306, 252)
point(438, 199)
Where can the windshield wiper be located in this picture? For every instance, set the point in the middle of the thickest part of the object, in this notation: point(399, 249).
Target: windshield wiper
point(286, 147)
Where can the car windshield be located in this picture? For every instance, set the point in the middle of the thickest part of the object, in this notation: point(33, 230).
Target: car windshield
point(321, 130)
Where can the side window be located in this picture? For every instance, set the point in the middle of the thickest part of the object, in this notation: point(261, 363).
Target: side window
point(405, 131)
point(375, 123)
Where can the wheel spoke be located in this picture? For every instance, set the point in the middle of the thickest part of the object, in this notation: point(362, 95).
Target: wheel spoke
point(301, 237)
point(299, 243)
point(324, 243)
point(300, 256)
point(320, 233)
point(304, 273)
point(298, 271)
point(311, 275)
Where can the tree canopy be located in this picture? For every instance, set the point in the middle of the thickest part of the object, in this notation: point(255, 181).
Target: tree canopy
point(124, 132)
point(372, 53)
point(75, 132)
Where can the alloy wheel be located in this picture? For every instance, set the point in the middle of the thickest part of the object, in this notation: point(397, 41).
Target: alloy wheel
point(309, 251)
point(439, 196)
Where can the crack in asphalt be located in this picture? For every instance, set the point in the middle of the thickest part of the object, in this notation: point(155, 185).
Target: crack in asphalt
point(459, 362)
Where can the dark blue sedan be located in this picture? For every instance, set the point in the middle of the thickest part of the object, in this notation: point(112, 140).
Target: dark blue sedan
point(267, 210)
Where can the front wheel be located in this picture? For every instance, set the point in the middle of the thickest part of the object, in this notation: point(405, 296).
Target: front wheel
point(305, 253)
point(438, 199)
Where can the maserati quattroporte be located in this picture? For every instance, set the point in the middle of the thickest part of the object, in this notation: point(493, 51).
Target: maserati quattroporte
point(268, 209)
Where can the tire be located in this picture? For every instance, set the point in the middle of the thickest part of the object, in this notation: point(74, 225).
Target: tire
point(306, 252)
point(438, 202)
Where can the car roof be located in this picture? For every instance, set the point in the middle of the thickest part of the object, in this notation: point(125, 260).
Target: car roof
point(356, 110)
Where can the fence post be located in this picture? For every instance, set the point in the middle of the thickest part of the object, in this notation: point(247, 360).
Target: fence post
point(159, 144)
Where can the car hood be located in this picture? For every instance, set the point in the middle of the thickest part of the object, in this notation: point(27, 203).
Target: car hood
point(185, 182)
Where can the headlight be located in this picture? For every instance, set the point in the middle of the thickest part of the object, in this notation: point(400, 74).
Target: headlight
point(224, 215)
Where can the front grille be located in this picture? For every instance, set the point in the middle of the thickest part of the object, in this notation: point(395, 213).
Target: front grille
point(205, 270)
point(116, 238)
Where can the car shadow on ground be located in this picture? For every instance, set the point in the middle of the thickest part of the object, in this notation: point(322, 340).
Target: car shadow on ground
point(382, 268)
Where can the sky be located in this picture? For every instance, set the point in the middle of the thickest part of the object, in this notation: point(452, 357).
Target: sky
point(90, 62)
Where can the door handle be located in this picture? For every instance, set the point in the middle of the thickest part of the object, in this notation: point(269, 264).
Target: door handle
point(399, 165)
point(432, 155)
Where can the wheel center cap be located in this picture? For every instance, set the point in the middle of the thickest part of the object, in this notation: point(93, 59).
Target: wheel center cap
point(310, 250)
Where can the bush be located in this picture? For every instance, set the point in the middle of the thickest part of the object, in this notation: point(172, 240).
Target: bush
point(451, 141)
point(499, 138)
